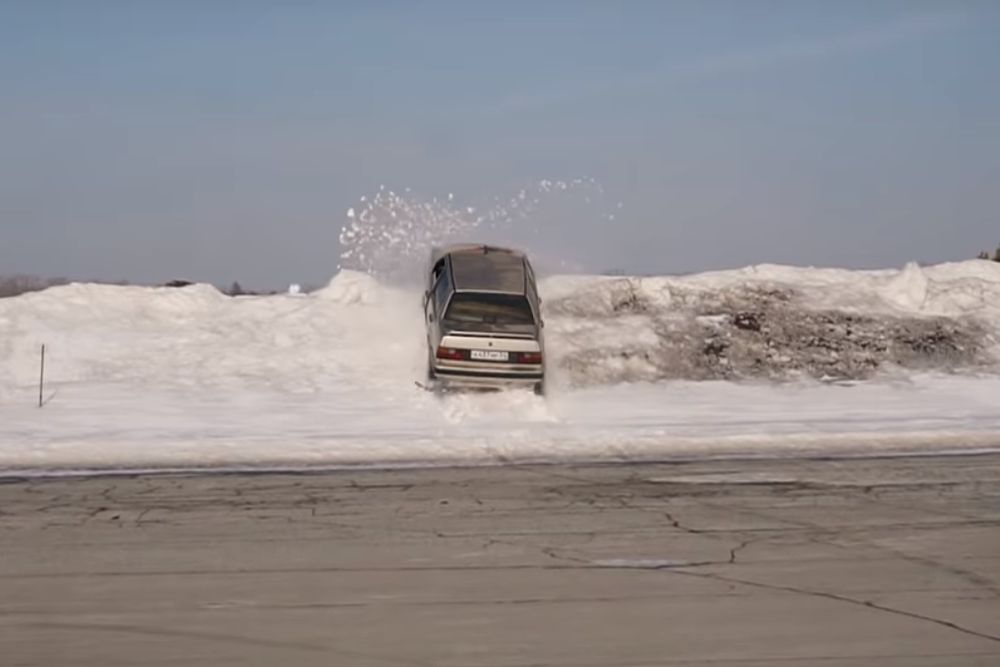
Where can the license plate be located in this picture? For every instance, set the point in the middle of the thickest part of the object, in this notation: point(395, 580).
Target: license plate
point(488, 355)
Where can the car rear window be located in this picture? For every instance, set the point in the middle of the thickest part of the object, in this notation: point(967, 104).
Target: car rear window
point(485, 308)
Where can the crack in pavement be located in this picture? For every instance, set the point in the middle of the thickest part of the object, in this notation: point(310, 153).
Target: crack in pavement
point(685, 568)
point(742, 545)
point(183, 634)
point(867, 604)
point(682, 568)
point(218, 637)
point(974, 578)
point(677, 524)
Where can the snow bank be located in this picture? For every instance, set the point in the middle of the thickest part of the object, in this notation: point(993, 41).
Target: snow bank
point(775, 322)
point(195, 337)
point(141, 377)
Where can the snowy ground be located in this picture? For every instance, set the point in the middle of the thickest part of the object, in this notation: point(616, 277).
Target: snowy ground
point(764, 361)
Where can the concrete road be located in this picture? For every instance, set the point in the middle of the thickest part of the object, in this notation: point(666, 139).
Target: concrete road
point(834, 563)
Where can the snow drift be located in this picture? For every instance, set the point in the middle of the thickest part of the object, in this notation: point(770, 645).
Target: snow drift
point(640, 367)
point(777, 322)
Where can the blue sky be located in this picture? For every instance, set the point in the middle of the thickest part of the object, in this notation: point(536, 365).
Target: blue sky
point(224, 140)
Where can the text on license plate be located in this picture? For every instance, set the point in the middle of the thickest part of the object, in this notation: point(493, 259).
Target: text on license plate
point(488, 355)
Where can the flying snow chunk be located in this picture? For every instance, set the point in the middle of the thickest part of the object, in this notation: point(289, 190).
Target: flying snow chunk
point(350, 212)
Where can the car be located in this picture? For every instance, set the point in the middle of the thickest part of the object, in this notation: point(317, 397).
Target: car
point(483, 319)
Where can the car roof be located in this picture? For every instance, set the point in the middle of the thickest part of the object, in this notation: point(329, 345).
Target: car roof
point(437, 252)
point(480, 268)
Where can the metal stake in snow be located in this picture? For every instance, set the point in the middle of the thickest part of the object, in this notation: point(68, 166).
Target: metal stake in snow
point(41, 378)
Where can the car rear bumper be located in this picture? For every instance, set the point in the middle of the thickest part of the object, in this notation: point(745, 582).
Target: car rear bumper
point(489, 377)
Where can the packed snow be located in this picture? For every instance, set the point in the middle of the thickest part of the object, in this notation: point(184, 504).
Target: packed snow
point(762, 361)
point(777, 322)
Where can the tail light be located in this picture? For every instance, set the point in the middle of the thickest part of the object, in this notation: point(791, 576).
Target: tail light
point(531, 357)
point(449, 353)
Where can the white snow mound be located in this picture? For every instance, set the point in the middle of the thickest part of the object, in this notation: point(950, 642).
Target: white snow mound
point(639, 368)
point(350, 287)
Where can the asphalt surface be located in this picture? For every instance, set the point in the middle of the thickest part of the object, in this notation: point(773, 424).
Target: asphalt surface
point(884, 562)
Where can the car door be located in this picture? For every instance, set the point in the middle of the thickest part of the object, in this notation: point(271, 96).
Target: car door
point(435, 300)
point(531, 289)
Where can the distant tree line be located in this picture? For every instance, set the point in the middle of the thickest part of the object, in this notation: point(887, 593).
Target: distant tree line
point(237, 290)
point(986, 255)
point(20, 284)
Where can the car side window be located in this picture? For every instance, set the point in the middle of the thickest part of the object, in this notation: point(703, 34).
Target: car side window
point(437, 270)
point(441, 290)
point(532, 291)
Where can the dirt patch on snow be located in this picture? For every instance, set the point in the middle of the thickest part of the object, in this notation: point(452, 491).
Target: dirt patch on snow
point(750, 332)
